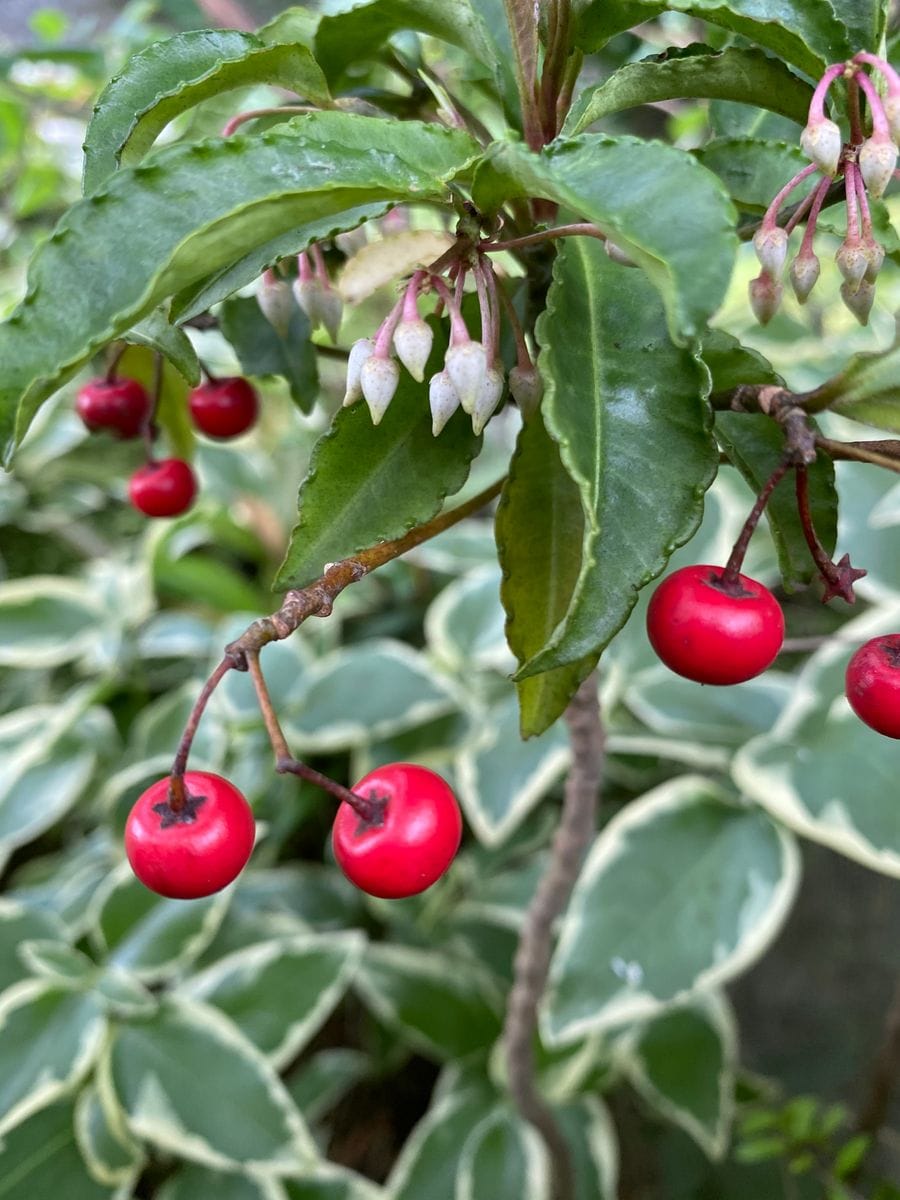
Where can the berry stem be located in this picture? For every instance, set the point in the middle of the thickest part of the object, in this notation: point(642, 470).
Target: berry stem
point(736, 558)
point(386, 331)
point(839, 577)
point(319, 263)
point(494, 300)
point(149, 431)
point(179, 766)
point(850, 170)
point(112, 369)
point(865, 213)
point(582, 229)
point(884, 68)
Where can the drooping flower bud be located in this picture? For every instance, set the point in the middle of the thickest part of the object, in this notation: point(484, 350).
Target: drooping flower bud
point(274, 299)
point(307, 293)
point(331, 311)
point(443, 399)
point(412, 341)
point(488, 399)
point(804, 273)
point(527, 388)
point(874, 253)
point(765, 297)
point(466, 364)
point(771, 248)
point(877, 163)
point(822, 144)
point(359, 352)
point(378, 379)
point(860, 300)
point(617, 254)
point(852, 262)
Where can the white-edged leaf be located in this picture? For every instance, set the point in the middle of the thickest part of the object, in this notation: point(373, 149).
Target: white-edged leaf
point(56, 961)
point(591, 1135)
point(165, 1069)
point(463, 547)
point(110, 1158)
point(364, 692)
point(445, 1007)
point(41, 1160)
point(47, 620)
point(149, 934)
point(175, 635)
point(284, 665)
point(278, 993)
point(49, 1037)
point(60, 886)
point(158, 728)
point(501, 777)
point(193, 1182)
point(428, 1162)
point(19, 924)
point(505, 1158)
point(684, 1063)
point(324, 1077)
point(682, 890)
point(331, 1183)
point(123, 994)
point(465, 624)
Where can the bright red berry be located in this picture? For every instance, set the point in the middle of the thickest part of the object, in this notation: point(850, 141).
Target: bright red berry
point(410, 841)
point(873, 684)
point(223, 408)
point(120, 406)
point(711, 631)
point(197, 850)
point(163, 489)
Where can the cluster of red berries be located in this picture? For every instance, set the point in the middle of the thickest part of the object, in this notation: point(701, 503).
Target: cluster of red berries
point(166, 487)
point(714, 630)
point(199, 846)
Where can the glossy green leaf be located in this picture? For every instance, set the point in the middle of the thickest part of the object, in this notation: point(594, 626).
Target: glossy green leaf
point(278, 993)
point(369, 483)
point(262, 350)
point(754, 169)
point(504, 1158)
point(744, 75)
point(681, 891)
point(171, 76)
point(445, 1009)
point(164, 1069)
point(158, 335)
point(428, 1162)
point(18, 925)
point(640, 401)
point(49, 1037)
point(234, 195)
point(866, 390)
point(111, 1157)
point(540, 531)
point(731, 364)
point(41, 1158)
point(865, 21)
point(670, 215)
point(599, 20)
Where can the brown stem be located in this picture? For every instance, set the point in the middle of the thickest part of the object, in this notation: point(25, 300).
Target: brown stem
point(532, 962)
point(839, 577)
point(252, 114)
point(114, 362)
point(524, 37)
point(884, 453)
point(736, 558)
point(583, 229)
point(149, 431)
point(176, 785)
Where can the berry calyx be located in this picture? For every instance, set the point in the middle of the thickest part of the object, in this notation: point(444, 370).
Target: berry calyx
point(873, 684)
point(163, 489)
point(224, 408)
point(408, 842)
point(195, 850)
point(120, 406)
point(714, 630)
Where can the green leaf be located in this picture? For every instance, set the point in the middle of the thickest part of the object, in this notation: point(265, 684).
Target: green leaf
point(504, 1158)
point(111, 1157)
point(55, 960)
point(600, 20)
point(428, 1162)
point(285, 665)
point(731, 364)
point(755, 444)
point(445, 1008)
point(657, 203)
point(279, 993)
point(59, 887)
point(165, 1068)
point(866, 390)
point(640, 401)
point(464, 624)
point(148, 934)
point(864, 20)
point(753, 169)
point(683, 1062)
point(263, 351)
point(234, 195)
point(173, 75)
point(41, 1158)
point(200, 1183)
point(330, 1183)
point(591, 1134)
point(172, 415)
point(46, 620)
point(371, 483)
point(682, 890)
point(748, 76)
point(500, 781)
point(19, 924)
point(540, 531)
point(158, 335)
point(49, 1037)
point(341, 706)
point(851, 1155)
point(323, 1078)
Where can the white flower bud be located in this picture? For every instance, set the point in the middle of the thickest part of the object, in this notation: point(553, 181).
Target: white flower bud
point(412, 341)
point(443, 399)
point(378, 379)
point(307, 293)
point(860, 300)
point(352, 241)
point(765, 297)
point(466, 364)
point(527, 388)
point(771, 249)
point(276, 305)
point(488, 399)
point(804, 272)
point(359, 352)
point(874, 253)
point(877, 163)
point(331, 311)
point(822, 144)
point(892, 112)
point(852, 262)
point(618, 255)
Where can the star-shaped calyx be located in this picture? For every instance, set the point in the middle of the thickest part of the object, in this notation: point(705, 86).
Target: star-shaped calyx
point(840, 579)
point(186, 814)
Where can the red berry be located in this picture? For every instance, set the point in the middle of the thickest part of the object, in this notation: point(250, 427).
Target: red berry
point(120, 406)
point(873, 684)
point(410, 843)
point(223, 408)
point(164, 488)
point(193, 852)
point(711, 632)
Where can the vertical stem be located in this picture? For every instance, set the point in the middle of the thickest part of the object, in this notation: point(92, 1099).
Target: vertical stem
point(736, 558)
point(532, 963)
point(856, 128)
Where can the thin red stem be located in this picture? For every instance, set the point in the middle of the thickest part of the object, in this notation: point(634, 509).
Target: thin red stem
point(252, 114)
point(817, 550)
point(879, 121)
point(114, 362)
point(818, 200)
point(582, 229)
point(176, 784)
point(771, 215)
point(736, 558)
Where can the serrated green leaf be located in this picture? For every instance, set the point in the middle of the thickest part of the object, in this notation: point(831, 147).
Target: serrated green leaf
point(753, 169)
point(262, 350)
point(540, 531)
point(744, 75)
point(640, 400)
point(503, 1157)
point(681, 891)
point(171, 76)
point(235, 195)
point(111, 1158)
point(866, 390)
point(731, 364)
point(657, 203)
point(599, 20)
point(41, 1158)
point(369, 483)
point(864, 20)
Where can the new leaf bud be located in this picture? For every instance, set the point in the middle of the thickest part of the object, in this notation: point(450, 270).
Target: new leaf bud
point(443, 399)
point(765, 297)
point(771, 249)
point(466, 364)
point(877, 162)
point(860, 300)
point(488, 399)
point(378, 379)
point(804, 273)
point(359, 352)
point(822, 144)
point(412, 341)
point(527, 388)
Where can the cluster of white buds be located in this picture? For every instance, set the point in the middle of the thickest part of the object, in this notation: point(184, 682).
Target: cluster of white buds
point(316, 296)
point(867, 164)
